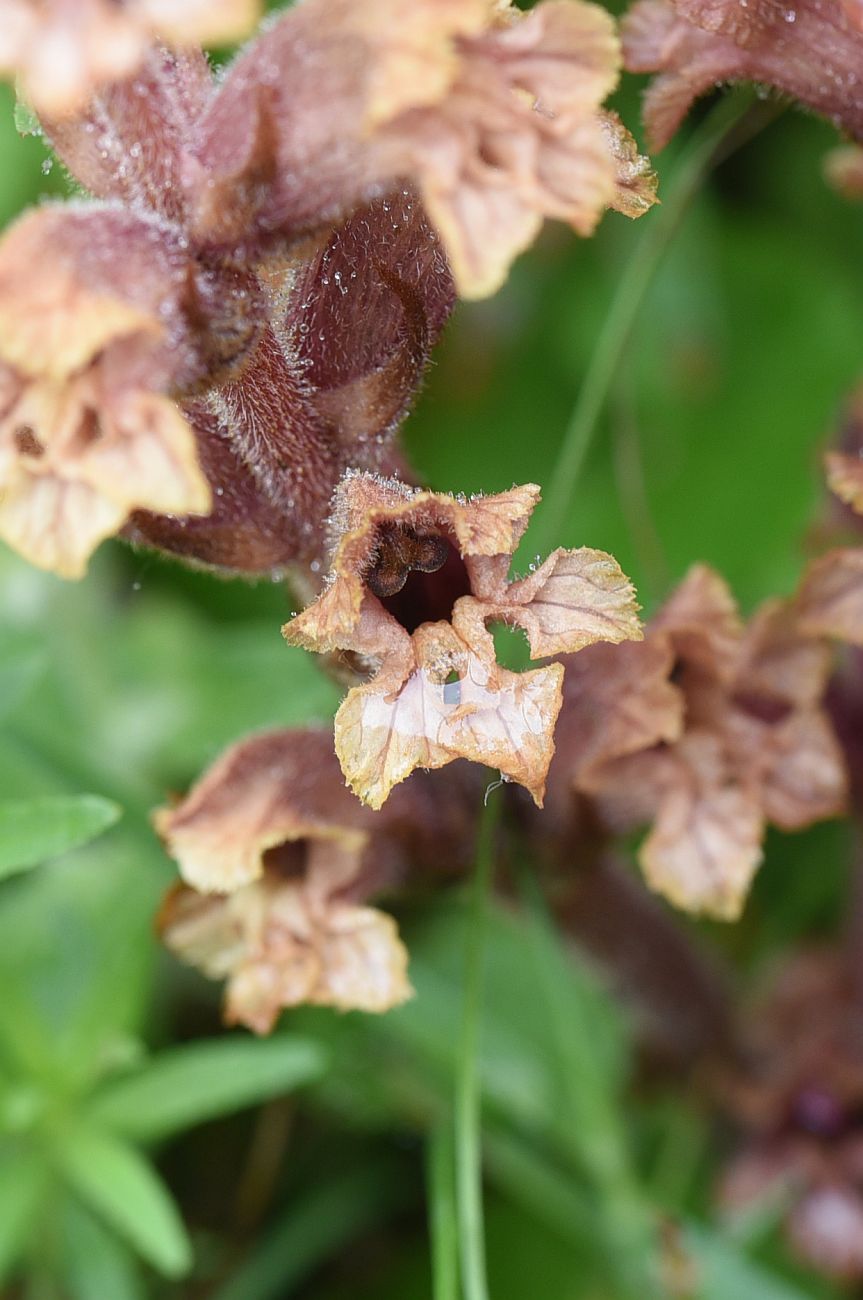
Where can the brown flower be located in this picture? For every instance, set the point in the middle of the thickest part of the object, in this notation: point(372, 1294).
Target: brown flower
point(87, 349)
point(64, 52)
point(810, 51)
point(437, 692)
point(493, 114)
point(830, 598)
point(797, 1095)
point(745, 742)
point(278, 859)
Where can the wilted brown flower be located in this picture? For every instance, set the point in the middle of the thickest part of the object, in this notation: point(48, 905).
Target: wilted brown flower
point(278, 859)
point(438, 692)
point(830, 598)
point(798, 1093)
point(87, 348)
point(810, 51)
point(63, 52)
point(493, 114)
point(708, 731)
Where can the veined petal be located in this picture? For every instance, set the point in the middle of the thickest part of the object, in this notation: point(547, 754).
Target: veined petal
point(830, 599)
point(845, 478)
point(56, 522)
point(705, 845)
point(574, 599)
point(501, 719)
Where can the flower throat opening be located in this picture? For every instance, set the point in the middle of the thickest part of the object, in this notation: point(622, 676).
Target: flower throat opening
point(418, 577)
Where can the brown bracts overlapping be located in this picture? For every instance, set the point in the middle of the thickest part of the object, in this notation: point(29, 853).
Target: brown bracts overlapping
point(437, 692)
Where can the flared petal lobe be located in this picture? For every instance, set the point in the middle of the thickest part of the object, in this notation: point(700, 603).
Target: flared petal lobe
point(493, 116)
point(94, 328)
point(63, 54)
point(810, 51)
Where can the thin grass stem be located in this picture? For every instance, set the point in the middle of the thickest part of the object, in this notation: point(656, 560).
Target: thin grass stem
point(443, 1221)
point(468, 1088)
point(704, 149)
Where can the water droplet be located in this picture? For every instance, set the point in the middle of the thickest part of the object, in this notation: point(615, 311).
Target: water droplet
point(47, 166)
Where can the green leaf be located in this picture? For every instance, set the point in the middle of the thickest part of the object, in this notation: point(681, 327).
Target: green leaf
point(19, 672)
point(22, 1182)
point(191, 1084)
point(96, 1264)
point(724, 1271)
point(319, 1223)
point(33, 830)
point(121, 1187)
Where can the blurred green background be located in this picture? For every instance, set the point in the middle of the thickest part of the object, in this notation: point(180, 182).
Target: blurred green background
point(299, 1165)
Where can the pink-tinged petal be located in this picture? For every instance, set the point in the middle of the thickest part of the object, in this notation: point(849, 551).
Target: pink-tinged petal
point(200, 22)
point(437, 692)
point(55, 522)
point(702, 622)
point(826, 1230)
point(705, 845)
point(501, 719)
point(804, 778)
point(272, 789)
point(65, 54)
point(810, 51)
point(489, 113)
point(574, 599)
point(279, 947)
point(830, 599)
point(845, 478)
point(779, 661)
point(616, 701)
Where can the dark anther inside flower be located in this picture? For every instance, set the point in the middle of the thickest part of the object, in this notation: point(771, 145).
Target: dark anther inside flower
point(417, 578)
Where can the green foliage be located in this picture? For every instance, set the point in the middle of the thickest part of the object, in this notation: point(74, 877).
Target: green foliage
point(188, 1085)
point(33, 830)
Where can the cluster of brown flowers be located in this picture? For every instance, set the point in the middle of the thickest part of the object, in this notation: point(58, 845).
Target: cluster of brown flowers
point(212, 355)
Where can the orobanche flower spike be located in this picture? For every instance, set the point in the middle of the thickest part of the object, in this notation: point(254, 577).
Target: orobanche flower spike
point(416, 577)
